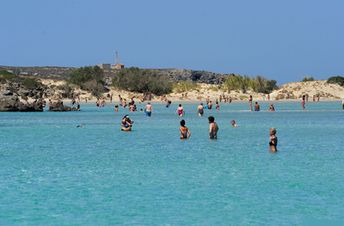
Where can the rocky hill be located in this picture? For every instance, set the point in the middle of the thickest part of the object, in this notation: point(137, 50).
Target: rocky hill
point(320, 88)
point(64, 72)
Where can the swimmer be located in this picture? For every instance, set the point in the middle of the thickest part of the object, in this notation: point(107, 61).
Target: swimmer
point(184, 131)
point(116, 108)
point(271, 108)
point(200, 110)
point(217, 106)
point(126, 123)
point(256, 107)
point(168, 103)
point(148, 110)
point(80, 126)
point(180, 110)
point(210, 105)
point(234, 124)
point(273, 140)
point(213, 128)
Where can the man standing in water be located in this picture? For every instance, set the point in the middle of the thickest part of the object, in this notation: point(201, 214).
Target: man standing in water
point(148, 110)
point(213, 128)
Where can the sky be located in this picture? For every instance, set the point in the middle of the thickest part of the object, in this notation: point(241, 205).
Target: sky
point(282, 40)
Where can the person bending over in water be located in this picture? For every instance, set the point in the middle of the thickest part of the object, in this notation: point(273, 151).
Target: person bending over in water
point(234, 124)
point(273, 140)
point(184, 131)
point(213, 128)
point(271, 108)
point(200, 109)
point(126, 123)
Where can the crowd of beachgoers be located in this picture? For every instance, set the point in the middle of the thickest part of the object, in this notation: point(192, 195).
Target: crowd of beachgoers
point(185, 133)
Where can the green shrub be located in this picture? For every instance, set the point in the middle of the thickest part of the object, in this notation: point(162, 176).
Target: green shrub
point(336, 80)
point(243, 83)
point(307, 79)
point(262, 85)
point(30, 83)
point(185, 86)
point(89, 79)
point(66, 90)
point(5, 75)
point(142, 81)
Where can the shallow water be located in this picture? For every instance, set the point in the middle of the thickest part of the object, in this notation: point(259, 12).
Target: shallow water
point(53, 173)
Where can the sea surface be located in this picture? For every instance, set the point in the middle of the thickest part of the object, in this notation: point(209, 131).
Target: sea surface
point(53, 172)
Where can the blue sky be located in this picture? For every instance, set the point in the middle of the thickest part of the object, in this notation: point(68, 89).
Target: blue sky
point(282, 40)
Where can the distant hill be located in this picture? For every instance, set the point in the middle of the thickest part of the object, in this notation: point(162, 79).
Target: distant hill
point(64, 72)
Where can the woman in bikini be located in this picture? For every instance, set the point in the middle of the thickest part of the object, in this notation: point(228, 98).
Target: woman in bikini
point(184, 131)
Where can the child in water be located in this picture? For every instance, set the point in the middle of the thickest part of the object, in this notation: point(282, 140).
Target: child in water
point(184, 131)
point(273, 140)
point(234, 124)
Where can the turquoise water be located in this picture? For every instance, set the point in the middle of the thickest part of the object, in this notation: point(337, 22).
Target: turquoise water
point(53, 173)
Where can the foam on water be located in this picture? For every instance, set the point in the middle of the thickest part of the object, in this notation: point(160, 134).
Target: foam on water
point(55, 173)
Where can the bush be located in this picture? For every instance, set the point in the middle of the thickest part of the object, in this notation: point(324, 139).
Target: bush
point(236, 82)
point(263, 85)
point(5, 75)
point(307, 79)
point(185, 86)
point(243, 83)
point(336, 80)
point(67, 91)
point(84, 74)
point(142, 81)
point(89, 79)
point(30, 83)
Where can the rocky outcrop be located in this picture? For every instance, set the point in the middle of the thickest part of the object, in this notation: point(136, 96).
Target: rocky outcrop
point(13, 103)
point(16, 97)
point(59, 106)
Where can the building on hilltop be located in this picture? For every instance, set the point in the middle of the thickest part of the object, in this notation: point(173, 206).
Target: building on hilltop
point(109, 67)
point(105, 66)
point(117, 65)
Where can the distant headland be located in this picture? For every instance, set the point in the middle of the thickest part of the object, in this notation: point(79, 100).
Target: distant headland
point(28, 88)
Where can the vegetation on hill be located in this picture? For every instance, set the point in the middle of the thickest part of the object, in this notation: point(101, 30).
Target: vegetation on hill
point(89, 79)
point(258, 84)
point(27, 82)
point(336, 80)
point(5, 75)
point(185, 86)
point(307, 79)
point(143, 81)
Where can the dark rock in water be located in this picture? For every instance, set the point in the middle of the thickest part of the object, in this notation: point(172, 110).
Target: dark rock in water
point(12, 103)
point(58, 106)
